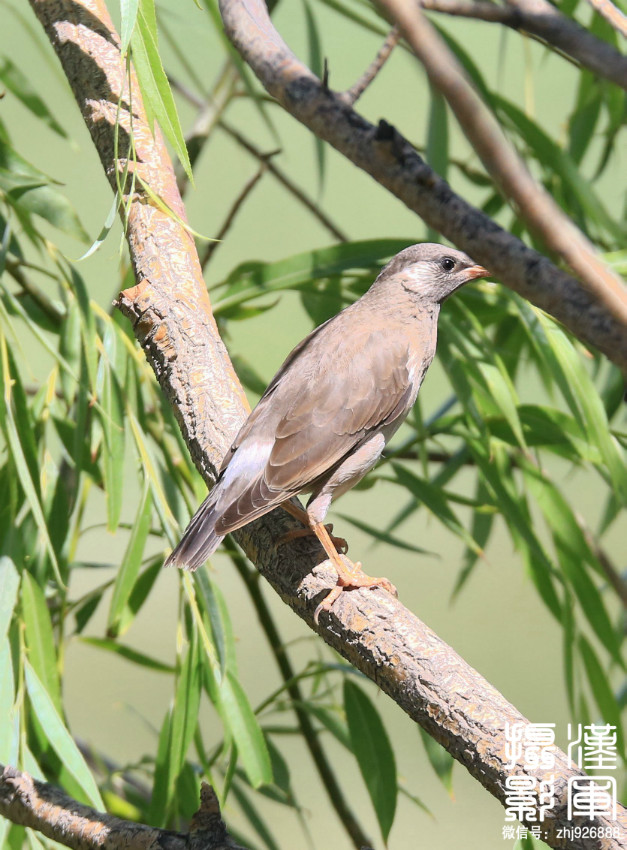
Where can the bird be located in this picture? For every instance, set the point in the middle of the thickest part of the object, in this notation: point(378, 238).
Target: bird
point(328, 413)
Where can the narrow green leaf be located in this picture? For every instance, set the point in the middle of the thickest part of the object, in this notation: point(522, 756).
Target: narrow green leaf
point(129, 654)
point(158, 811)
point(139, 593)
point(602, 691)
point(253, 279)
point(29, 195)
point(583, 121)
point(112, 419)
point(374, 754)
point(131, 563)
point(59, 737)
point(331, 722)
point(441, 761)
point(212, 669)
point(220, 623)
point(240, 718)
point(9, 727)
point(437, 133)
point(128, 9)
point(18, 84)
point(316, 65)
point(569, 638)
point(105, 229)
point(482, 524)
point(589, 598)
point(154, 82)
point(515, 511)
point(9, 583)
point(185, 711)
point(145, 455)
point(434, 500)
point(40, 638)
point(14, 437)
point(254, 817)
point(176, 734)
point(383, 537)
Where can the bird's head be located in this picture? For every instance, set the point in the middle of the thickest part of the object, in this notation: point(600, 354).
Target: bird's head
point(430, 271)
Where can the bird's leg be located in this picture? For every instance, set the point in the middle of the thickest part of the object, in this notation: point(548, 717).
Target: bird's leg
point(302, 516)
point(349, 574)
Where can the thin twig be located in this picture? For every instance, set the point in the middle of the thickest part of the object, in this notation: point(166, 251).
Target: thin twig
point(612, 15)
point(329, 782)
point(232, 214)
point(355, 91)
point(285, 181)
point(535, 205)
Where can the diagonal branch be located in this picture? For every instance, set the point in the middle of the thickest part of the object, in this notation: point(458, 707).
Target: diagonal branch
point(43, 807)
point(544, 21)
point(384, 154)
point(171, 317)
point(612, 14)
point(501, 161)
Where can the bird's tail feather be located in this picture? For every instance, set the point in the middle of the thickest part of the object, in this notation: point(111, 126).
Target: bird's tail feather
point(200, 539)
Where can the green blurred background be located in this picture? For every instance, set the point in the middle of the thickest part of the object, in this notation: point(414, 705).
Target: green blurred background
point(498, 624)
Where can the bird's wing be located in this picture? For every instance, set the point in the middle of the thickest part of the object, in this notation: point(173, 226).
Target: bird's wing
point(265, 403)
point(318, 409)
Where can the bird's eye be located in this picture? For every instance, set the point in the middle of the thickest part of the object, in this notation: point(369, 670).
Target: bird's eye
point(448, 264)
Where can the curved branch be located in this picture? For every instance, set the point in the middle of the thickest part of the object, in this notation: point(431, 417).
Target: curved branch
point(172, 320)
point(43, 807)
point(384, 154)
point(543, 20)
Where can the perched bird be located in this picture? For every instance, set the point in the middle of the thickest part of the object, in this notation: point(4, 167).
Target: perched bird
point(331, 408)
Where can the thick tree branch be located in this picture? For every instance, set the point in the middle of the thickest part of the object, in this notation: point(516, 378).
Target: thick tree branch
point(384, 154)
point(541, 19)
point(172, 320)
point(43, 807)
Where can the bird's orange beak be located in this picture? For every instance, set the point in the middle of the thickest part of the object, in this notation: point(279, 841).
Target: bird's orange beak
point(475, 272)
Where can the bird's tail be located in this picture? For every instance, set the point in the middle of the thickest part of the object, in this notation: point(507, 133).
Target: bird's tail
point(200, 539)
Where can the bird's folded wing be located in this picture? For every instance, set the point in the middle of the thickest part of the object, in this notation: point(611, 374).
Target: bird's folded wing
point(318, 410)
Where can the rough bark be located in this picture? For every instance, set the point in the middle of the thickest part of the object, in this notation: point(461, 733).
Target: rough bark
point(43, 807)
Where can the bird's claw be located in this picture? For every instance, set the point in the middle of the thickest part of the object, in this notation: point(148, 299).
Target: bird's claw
point(349, 580)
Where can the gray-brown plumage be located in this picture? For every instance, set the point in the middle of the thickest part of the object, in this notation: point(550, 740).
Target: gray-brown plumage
point(331, 408)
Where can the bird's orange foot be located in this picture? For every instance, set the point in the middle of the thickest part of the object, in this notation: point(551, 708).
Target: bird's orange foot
point(339, 542)
point(347, 579)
